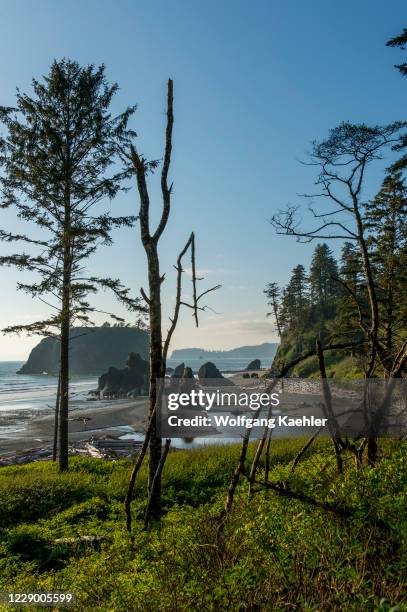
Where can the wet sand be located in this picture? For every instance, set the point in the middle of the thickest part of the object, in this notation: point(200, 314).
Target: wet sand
point(97, 418)
point(102, 415)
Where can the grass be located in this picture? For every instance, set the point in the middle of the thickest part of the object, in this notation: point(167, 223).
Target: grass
point(275, 554)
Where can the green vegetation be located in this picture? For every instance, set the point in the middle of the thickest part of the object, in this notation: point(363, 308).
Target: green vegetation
point(275, 553)
point(321, 303)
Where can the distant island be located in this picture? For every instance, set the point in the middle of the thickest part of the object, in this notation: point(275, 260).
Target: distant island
point(93, 351)
point(265, 351)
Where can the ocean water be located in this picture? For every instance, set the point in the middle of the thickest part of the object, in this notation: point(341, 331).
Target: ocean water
point(24, 396)
point(228, 364)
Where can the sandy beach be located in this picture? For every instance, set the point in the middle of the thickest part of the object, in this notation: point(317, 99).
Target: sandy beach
point(114, 418)
point(86, 419)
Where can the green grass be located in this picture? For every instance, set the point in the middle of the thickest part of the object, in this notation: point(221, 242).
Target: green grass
point(275, 553)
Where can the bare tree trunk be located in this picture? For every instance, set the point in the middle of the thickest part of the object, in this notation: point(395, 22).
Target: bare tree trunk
point(255, 462)
point(156, 373)
point(304, 449)
point(157, 363)
point(153, 407)
point(267, 461)
point(156, 482)
point(243, 451)
point(158, 349)
point(327, 405)
point(239, 470)
point(64, 365)
point(256, 459)
point(64, 395)
point(372, 450)
point(135, 471)
point(56, 419)
point(236, 476)
point(65, 312)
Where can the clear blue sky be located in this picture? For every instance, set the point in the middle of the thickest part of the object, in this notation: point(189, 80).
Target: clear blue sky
point(255, 82)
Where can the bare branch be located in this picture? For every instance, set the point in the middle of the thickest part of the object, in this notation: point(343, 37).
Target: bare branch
point(175, 316)
point(144, 296)
point(194, 280)
point(166, 191)
point(144, 214)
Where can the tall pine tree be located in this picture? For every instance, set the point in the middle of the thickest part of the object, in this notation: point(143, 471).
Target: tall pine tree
point(386, 218)
point(59, 155)
point(400, 42)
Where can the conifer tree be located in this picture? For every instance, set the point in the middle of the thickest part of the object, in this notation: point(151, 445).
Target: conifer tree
point(387, 221)
point(295, 303)
point(323, 271)
point(400, 42)
point(324, 288)
point(273, 293)
point(59, 154)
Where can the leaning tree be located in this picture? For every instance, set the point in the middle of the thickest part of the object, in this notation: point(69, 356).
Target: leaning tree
point(59, 154)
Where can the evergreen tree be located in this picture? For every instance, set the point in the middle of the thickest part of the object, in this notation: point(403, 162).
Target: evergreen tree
point(273, 293)
point(299, 288)
point(59, 155)
point(322, 275)
point(295, 303)
point(350, 268)
point(386, 218)
point(400, 42)
point(351, 288)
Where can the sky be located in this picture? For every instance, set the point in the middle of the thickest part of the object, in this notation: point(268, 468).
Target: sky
point(254, 84)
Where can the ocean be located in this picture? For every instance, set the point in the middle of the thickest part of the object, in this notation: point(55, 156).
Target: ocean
point(224, 364)
point(23, 396)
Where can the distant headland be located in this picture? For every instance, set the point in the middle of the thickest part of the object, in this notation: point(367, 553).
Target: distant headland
point(93, 350)
point(265, 351)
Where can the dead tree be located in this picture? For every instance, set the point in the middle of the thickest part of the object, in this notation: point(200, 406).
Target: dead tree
point(158, 346)
point(303, 450)
point(267, 459)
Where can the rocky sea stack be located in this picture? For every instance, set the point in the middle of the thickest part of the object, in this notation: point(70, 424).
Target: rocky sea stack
point(254, 365)
point(208, 372)
point(131, 381)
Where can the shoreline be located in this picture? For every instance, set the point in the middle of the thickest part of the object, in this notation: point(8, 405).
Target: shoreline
point(106, 418)
point(102, 414)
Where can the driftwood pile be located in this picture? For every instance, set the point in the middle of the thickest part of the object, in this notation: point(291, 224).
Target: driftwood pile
point(105, 447)
point(83, 541)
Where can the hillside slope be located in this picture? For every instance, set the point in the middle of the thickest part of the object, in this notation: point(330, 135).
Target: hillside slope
point(93, 350)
